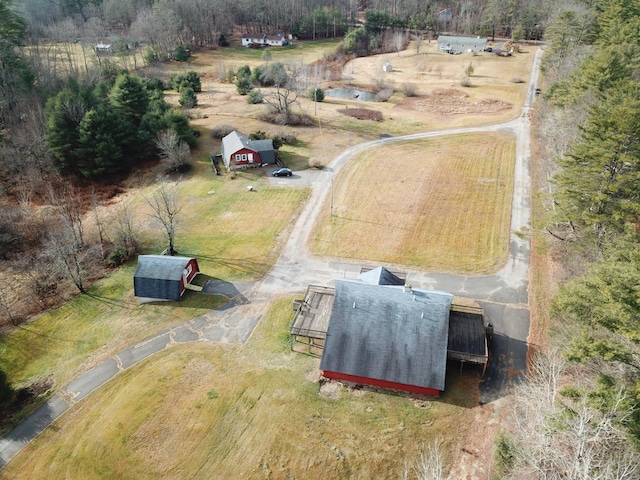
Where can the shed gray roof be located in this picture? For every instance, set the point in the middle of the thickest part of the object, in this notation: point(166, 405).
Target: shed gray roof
point(384, 333)
point(161, 267)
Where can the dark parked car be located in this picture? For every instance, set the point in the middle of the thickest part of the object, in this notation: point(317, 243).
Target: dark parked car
point(488, 49)
point(282, 172)
point(538, 91)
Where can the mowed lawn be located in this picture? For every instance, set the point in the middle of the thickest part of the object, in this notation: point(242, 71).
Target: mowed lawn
point(234, 234)
point(208, 411)
point(441, 204)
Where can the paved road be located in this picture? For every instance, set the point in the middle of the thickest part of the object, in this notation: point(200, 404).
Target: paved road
point(502, 295)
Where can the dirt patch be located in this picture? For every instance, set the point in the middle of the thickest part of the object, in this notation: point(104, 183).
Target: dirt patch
point(451, 101)
point(330, 390)
point(362, 114)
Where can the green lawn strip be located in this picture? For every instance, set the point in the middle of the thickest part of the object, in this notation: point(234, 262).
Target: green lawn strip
point(59, 341)
point(241, 412)
point(232, 232)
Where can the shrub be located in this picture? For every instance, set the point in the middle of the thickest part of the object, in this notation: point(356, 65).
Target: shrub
point(149, 57)
point(221, 131)
point(258, 135)
point(155, 84)
point(503, 455)
point(316, 94)
point(243, 84)
point(409, 89)
point(190, 80)
point(516, 80)
point(288, 137)
point(254, 97)
point(222, 41)
point(117, 256)
point(194, 80)
point(465, 82)
point(314, 163)
point(284, 118)
point(384, 95)
point(180, 54)
point(468, 71)
point(188, 98)
point(230, 75)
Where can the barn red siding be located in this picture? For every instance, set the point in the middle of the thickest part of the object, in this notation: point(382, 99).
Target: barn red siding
point(194, 271)
point(245, 151)
point(382, 383)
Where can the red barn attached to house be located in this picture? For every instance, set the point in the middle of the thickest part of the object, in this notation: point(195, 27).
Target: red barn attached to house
point(240, 152)
point(163, 277)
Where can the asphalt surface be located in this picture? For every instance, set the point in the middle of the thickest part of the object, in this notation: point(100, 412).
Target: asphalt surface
point(502, 295)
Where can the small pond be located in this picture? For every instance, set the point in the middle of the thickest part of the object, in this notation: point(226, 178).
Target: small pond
point(351, 94)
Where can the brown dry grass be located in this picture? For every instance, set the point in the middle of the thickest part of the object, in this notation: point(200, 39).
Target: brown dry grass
point(253, 412)
point(430, 203)
point(492, 98)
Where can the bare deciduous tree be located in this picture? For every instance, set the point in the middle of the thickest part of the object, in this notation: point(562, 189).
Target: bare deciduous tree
point(126, 234)
point(166, 206)
point(430, 465)
point(565, 438)
point(174, 153)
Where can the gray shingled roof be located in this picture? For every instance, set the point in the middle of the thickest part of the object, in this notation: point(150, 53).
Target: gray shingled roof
point(380, 276)
point(236, 141)
point(158, 276)
point(265, 149)
point(384, 333)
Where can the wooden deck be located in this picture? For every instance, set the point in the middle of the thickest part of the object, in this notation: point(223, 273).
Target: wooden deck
point(311, 319)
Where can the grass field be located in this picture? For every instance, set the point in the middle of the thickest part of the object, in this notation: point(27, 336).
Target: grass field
point(222, 224)
point(213, 411)
point(441, 204)
point(205, 411)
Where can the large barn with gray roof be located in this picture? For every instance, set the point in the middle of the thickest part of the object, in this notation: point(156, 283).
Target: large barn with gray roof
point(387, 335)
point(376, 330)
point(163, 277)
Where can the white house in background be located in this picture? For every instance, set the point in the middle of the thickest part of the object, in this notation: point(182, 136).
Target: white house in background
point(274, 40)
point(451, 44)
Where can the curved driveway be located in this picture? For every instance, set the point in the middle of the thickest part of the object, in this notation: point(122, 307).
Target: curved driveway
point(503, 295)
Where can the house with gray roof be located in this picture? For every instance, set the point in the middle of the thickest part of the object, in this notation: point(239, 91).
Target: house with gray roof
point(455, 44)
point(386, 334)
point(238, 151)
point(163, 277)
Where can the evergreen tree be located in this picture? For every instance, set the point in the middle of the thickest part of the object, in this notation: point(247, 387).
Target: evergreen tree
point(64, 113)
point(243, 80)
point(15, 76)
point(599, 184)
point(105, 138)
point(130, 97)
point(188, 97)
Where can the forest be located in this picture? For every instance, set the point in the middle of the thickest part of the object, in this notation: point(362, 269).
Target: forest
point(66, 142)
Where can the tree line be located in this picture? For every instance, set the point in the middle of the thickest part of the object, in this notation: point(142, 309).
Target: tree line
point(579, 417)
